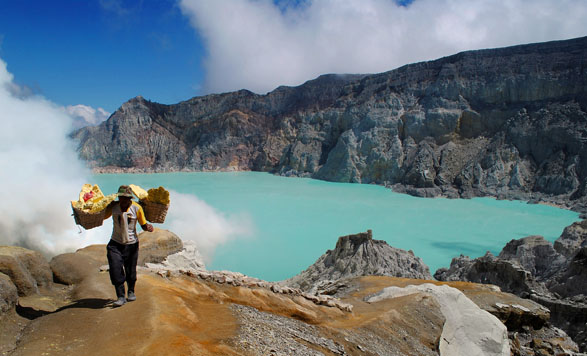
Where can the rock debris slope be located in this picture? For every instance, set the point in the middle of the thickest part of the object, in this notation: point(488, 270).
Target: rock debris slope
point(508, 122)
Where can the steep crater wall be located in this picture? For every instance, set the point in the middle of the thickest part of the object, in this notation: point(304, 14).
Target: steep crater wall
point(507, 122)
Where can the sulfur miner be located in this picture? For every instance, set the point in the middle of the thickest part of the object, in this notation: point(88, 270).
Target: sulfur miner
point(123, 249)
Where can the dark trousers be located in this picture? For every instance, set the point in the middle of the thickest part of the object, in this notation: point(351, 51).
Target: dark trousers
point(122, 260)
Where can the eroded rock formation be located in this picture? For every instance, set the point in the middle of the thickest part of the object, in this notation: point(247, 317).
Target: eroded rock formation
point(359, 255)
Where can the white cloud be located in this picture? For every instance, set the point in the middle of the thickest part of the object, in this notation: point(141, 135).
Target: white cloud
point(84, 115)
point(257, 45)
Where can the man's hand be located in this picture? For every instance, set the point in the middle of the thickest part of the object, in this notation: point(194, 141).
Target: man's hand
point(148, 227)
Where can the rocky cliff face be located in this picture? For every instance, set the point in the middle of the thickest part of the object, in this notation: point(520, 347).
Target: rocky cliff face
point(507, 122)
point(359, 255)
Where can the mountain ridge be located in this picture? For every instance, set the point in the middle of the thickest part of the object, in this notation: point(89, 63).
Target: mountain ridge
point(508, 122)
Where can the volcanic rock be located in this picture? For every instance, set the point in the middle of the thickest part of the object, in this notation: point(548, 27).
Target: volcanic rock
point(359, 255)
point(535, 255)
point(157, 245)
point(572, 282)
point(8, 293)
point(572, 239)
point(518, 314)
point(532, 268)
point(72, 268)
point(195, 311)
point(508, 122)
point(543, 341)
point(28, 270)
point(468, 330)
point(507, 275)
point(188, 259)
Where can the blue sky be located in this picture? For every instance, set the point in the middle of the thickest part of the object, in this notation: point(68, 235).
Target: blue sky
point(100, 53)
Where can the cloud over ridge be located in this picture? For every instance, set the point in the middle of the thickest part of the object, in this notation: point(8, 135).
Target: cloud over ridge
point(258, 45)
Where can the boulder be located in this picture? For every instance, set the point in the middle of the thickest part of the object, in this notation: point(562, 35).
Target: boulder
point(569, 315)
point(8, 293)
point(72, 268)
point(544, 341)
point(572, 282)
point(157, 245)
point(535, 255)
point(468, 330)
point(515, 312)
point(96, 252)
point(189, 258)
point(28, 270)
point(509, 276)
point(572, 239)
point(359, 255)
point(154, 248)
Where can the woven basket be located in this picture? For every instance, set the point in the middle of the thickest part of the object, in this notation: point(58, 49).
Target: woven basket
point(88, 220)
point(154, 212)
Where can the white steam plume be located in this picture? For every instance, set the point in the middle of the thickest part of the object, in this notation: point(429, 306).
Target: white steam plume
point(194, 220)
point(259, 45)
point(40, 173)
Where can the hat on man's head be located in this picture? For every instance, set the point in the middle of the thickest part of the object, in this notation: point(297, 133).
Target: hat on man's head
point(125, 191)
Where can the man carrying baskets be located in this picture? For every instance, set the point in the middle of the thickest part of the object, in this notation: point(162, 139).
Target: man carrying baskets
point(123, 248)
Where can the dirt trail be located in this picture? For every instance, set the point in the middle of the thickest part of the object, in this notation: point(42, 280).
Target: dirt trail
point(163, 320)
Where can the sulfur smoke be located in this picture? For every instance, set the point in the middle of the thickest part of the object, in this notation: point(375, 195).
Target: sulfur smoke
point(40, 173)
point(192, 219)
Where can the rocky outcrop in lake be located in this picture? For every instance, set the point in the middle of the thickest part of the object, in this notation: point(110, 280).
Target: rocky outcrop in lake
point(552, 275)
point(359, 255)
point(508, 122)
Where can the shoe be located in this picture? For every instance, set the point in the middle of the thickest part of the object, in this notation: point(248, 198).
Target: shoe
point(131, 297)
point(119, 302)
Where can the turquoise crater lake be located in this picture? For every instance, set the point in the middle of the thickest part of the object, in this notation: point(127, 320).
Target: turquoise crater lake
point(295, 220)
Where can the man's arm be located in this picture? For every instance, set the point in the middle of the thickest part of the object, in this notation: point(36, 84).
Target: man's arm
point(109, 209)
point(142, 220)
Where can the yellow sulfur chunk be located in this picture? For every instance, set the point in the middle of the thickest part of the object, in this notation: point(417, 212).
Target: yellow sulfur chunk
point(96, 203)
point(86, 188)
point(159, 195)
point(139, 192)
point(102, 203)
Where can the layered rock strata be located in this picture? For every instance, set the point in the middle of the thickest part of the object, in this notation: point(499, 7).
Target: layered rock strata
point(508, 122)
